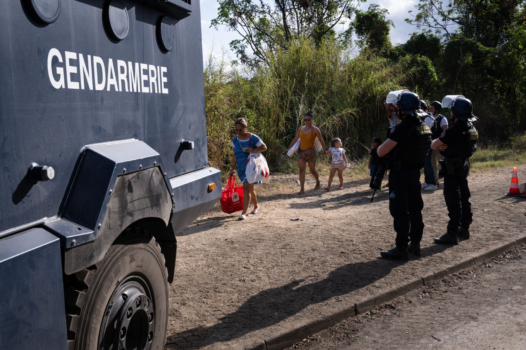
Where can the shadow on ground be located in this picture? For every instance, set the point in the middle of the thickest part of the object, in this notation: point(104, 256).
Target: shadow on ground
point(347, 199)
point(274, 305)
point(206, 224)
point(309, 192)
point(355, 198)
point(512, 198)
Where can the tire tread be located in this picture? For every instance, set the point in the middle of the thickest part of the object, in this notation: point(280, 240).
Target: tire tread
point(77, 285)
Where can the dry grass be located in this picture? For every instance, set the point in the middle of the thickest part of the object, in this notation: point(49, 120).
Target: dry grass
point(492, 157)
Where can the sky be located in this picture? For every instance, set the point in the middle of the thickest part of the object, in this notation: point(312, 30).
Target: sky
point(216, 42)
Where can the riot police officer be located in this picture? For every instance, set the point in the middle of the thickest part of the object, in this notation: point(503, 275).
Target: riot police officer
point(423, 106)
point(406, 150)
point(457, 145)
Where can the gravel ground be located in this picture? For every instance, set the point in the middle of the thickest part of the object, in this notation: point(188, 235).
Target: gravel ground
point(478, 308)
point(237, 282)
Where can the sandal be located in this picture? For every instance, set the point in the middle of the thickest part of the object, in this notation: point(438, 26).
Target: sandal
point(317, 187)
point(254, 212)
point(241, 217)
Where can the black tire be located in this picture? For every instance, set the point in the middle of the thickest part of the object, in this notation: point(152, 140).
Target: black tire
point(128, 289)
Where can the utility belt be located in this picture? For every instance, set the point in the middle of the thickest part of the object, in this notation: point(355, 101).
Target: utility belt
point(448, 166)
point(401, 166)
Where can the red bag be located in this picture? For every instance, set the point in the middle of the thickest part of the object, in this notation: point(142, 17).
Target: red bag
point(232, 198)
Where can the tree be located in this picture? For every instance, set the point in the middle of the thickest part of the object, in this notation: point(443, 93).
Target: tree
point(466, 66)
point(372, 28)
point(485, 21)
point(424, 76)
point(267, 27)
point(424, 44)
point(484, 57)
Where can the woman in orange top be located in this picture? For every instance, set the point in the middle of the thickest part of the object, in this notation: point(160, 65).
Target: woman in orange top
point(307, 135)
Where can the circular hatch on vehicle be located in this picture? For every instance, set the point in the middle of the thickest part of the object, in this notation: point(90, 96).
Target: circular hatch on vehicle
point(46, 10)
point(165, 33)
point(118, 20)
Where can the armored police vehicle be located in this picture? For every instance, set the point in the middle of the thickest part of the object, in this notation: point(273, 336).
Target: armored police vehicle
point(103, 158)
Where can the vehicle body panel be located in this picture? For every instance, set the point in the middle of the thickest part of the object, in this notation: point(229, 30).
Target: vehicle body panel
point(32, 312)
point(49, 126)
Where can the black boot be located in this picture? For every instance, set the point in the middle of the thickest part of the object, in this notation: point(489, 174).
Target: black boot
point(448, 238)
point(463, 233)
point(414, 248)
point(397, 253)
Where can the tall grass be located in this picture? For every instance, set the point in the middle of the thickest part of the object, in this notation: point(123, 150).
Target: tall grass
point(345, 93)
point(508, 154)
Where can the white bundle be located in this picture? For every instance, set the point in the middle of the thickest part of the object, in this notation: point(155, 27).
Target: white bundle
point(294, 149)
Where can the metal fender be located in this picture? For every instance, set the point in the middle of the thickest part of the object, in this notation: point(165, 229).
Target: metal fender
point(114, 185)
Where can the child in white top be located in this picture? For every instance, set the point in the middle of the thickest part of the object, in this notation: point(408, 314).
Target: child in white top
point(339, 162)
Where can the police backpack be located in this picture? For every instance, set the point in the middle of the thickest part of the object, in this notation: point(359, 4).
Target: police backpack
point(468, 145)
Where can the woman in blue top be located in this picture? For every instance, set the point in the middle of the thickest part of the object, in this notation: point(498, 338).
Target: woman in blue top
point(245, 143)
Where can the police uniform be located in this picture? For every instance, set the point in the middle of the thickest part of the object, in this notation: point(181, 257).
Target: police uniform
point(461, 140)
point(413, 139)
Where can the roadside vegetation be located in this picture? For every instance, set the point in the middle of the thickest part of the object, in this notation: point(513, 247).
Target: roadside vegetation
point(509, 154)
point(346, 95)
point(291, 60)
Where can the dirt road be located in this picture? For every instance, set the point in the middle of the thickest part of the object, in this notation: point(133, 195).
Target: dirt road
point(479, 308)
point(238, 282)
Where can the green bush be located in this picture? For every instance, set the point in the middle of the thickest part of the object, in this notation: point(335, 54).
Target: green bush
point(425, 79)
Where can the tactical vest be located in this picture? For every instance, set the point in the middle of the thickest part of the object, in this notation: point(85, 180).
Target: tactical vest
point(411, 152)
point(467, 147)
point(436, 130)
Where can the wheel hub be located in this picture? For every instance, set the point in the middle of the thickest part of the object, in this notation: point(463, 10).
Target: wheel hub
point(129, 320)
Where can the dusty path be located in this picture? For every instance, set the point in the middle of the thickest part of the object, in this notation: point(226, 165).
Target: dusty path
point(479, 308)
point(243, 281)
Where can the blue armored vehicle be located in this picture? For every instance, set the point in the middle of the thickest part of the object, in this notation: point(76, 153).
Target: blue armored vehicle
point(103, 158)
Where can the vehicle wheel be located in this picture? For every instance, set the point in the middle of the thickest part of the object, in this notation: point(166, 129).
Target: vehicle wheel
point(121, 302)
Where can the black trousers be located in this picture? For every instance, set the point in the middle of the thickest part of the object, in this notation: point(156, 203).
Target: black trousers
point(456, 193)
point(405, 205)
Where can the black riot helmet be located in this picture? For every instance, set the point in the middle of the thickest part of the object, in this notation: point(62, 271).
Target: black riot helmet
point(409, 103)
point(437, 105)
point(462, 109)
point(423, 105)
